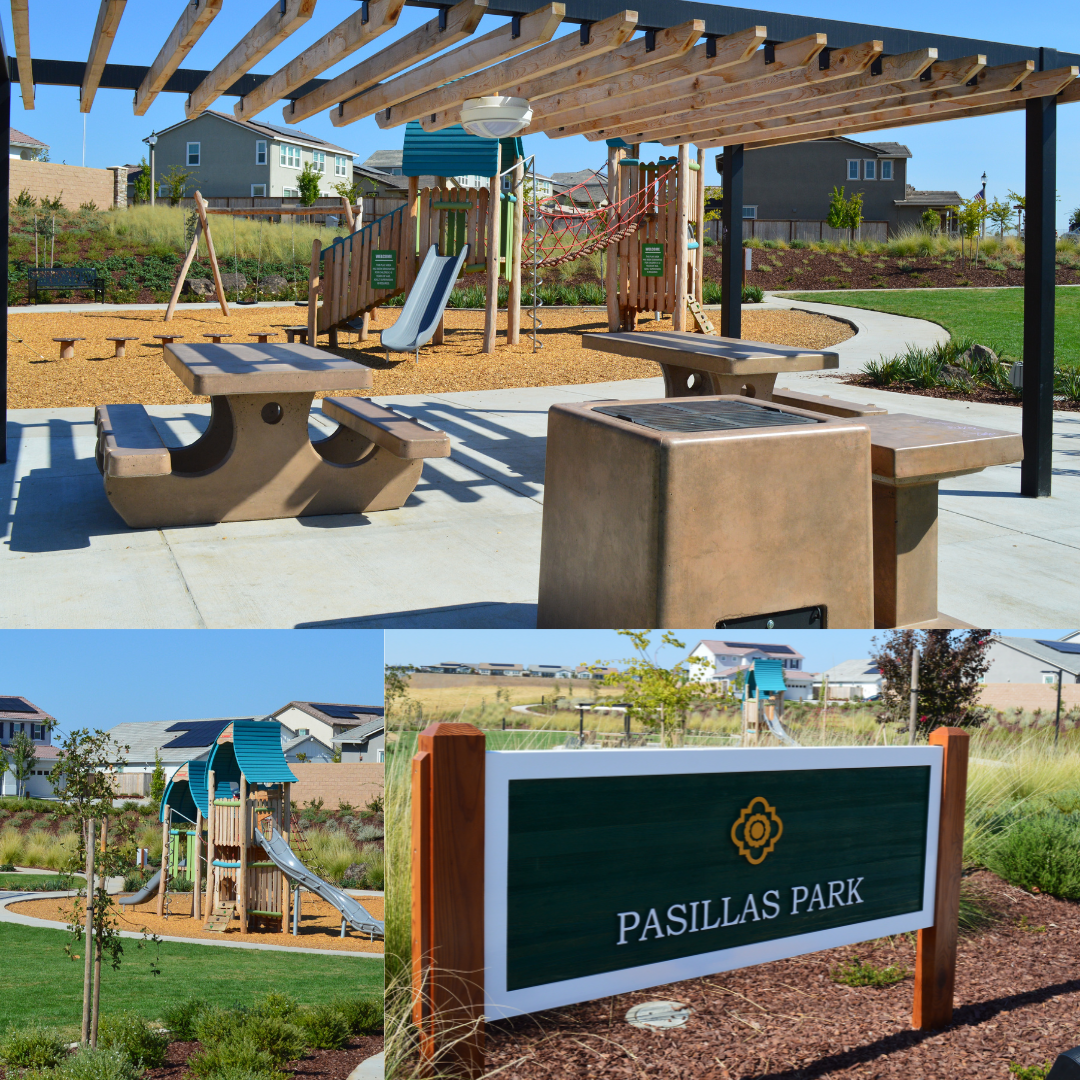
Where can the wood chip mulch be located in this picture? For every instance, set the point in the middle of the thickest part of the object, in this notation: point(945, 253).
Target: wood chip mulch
point(985, 395)
point(39, 379)
point(316, 1065)
point(1017, 1000)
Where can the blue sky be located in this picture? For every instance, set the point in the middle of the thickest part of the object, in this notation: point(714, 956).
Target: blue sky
point(949, 155)
point(822, 649)
point(99, 678)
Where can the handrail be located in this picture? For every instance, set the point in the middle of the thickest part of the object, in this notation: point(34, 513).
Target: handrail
point(370, 225)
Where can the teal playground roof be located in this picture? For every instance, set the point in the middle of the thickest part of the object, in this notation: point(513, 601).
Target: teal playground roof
point(178, 795)
point(766, 677)
point(452, 152)
point(251, 748)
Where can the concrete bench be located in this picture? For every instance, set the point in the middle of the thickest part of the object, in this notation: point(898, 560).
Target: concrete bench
point(403, 437)
point(128, 443)
point(824, 404)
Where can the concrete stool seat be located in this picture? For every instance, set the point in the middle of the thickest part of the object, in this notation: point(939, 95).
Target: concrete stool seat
point(908, 456)
point(168, 339)
point(262, 335)
point(67, 346)
point(296, 333)
point(121, 344)
point(216, 338)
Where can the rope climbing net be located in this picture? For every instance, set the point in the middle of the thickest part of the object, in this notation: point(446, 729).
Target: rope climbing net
point(579, 220)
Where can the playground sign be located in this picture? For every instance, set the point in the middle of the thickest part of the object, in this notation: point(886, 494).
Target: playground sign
point(612, 871)
point(652, 260)
point(383, 269)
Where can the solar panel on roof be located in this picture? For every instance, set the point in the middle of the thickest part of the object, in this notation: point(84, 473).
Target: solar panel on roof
point(201, 733)
point(339, 712)
point(763, 648)
point(14, 704)
point(1061, 646)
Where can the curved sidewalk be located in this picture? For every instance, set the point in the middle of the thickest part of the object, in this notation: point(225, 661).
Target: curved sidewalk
point(48, 924)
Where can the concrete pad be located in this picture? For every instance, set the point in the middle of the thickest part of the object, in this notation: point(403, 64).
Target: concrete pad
point(373, 1068)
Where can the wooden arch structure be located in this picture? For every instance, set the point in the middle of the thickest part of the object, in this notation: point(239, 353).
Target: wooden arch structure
point(677, 72)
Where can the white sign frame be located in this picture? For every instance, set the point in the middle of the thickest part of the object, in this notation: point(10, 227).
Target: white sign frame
point(502, 766)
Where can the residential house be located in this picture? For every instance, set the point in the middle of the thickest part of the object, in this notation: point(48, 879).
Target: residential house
point(545, 185)
point(584, 672)
point(391, 162)
point(19, 715)
point(1034, 660)
point(786, 189)
point(324, 720)
point(513, 670)
point(583, 188)
point(229, 157)
point(365, 743)
point(856, 679)
point(732, 656)
point(305, 748)
point(552, 671)
point(26, 147)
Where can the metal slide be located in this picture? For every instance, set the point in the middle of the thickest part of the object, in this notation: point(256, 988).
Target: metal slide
point(425, 303)
point(148, 890)
point(781, 732)
point(283, 858)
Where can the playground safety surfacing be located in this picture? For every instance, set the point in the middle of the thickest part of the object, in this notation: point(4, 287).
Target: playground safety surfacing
point(320, 924)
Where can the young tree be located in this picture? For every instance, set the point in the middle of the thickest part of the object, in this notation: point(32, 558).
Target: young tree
point(19, 759)
point(1020, 206)
point(308, 181)
point(141, 184)
point(951, 665)
point(1000, 213)
point(157, 781)
point(396, 698)
point(931, 223)
point(845, 213)
point(1074, 220)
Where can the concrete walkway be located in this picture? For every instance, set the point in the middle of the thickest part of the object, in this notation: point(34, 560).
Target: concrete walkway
point(464, 551)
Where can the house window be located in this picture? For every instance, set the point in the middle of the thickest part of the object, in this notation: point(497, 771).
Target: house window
point(163, 191)
point(260, 152)
point(194, 152)
point(341, 165)
point(749, 211)
point(290, 156)
point(380, 756)
point(290, 193)
point(258, 189)
point(318, 161)
point(853, 170)
point(37, 731)
point(1050, 679)
point(886, 170)
point(870, 169)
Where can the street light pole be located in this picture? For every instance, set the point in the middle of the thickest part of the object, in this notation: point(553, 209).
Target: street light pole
point(151, 140)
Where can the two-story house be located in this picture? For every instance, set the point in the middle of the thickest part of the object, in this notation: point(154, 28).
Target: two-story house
point(234, 158)
point(18, 715)
point(786, 189)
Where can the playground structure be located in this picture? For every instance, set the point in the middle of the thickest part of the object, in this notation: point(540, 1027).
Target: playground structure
point(235, 805)
point(763, 704)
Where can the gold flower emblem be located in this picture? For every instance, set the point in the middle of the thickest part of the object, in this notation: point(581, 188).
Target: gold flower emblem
point(757, 829)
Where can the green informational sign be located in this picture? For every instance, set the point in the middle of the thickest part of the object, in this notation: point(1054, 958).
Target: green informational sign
point(383, 269)
point(619, 882)
point(652, 260)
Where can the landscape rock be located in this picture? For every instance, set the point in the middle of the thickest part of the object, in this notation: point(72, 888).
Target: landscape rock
point(273, 285)
point(952, 371)
point(980, 354)
point(355, 872)
point(200, 287)
point(232, 282)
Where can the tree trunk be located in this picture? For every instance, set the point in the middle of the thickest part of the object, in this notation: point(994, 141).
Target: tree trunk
point(96, 1007)
point(91, 838)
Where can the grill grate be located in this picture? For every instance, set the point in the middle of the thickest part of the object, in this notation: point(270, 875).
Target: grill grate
point(705, 416)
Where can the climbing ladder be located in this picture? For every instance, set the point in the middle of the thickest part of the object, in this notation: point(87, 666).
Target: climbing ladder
point(703, 322)
point(221, 917)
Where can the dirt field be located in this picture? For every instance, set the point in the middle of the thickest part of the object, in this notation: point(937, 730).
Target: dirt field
point(320, 924)
point(39, 379)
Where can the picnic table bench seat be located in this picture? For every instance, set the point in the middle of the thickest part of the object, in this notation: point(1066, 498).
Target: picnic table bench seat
point(128, 444)
point(53, 278)
point(824, 404)
point(403, 437)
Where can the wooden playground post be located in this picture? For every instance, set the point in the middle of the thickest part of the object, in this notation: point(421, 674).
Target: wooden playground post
point(286, 822)
point(196, 900)
point(200, 206)
point(188, 259)
point(448, 896)
point(611, 271)
point(312, 294)
point(211, 873)
point(346, 206)
point(935, 958)
point(241, 874)
point(699, 267)
point(491, 306)
point(409, 269)
point(513, 303)
point(163, 884)
point(682, 238)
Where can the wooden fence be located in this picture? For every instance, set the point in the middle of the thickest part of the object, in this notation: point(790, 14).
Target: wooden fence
point(791, 229)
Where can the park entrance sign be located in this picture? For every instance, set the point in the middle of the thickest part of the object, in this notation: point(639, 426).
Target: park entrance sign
point(544, 878)
point(613, 871)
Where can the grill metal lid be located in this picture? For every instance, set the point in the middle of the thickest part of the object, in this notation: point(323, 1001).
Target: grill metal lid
point(693, 416)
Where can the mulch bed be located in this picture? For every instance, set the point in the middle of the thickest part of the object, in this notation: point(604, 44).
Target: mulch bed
point(317, 1065)
point(982, 394)
point(1017, 1000)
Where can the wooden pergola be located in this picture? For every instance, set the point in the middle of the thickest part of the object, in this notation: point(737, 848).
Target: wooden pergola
point(678, 73)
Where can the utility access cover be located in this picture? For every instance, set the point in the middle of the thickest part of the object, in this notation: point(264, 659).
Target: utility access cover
point(659, 1014)
point(689, 415)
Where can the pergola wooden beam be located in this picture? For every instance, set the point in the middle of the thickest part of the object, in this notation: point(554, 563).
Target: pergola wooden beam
point(791, 56)
point(196, 17)
point(987, 83)
point(363, 25)
point(533, 29)
point(265, 36)
point(630, 56)
point(107, 22)
point(20, 30)
point(434, 36)
point(440, 108)
point(697, 63)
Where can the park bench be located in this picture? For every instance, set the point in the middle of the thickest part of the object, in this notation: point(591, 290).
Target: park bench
point(128, 443)
point(55, 278)
point(403, 437)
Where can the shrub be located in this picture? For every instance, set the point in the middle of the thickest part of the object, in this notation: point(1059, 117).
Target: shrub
point(273, 1036)
point(1040, 853)
point(325, 1028)
point(182, 1018)
point(856, 973)
point(7, 868)
point(360, 1014)
point(1030, 1072)
point(232, 1060)
point(276, 1004)
point(100, 1064)
point(32, 1047)
point(213, 1026)
point(752, 294)
point(145, 1047)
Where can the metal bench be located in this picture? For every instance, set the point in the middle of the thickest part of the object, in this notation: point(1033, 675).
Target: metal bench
point(404, 438)
point(54, 278)
point(128, 444)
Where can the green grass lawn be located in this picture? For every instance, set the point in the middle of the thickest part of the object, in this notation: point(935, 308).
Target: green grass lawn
point(993, 317)
point(26, 882)
point(38, 983)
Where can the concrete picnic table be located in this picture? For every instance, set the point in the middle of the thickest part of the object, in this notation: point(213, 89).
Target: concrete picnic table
point(701, 365)
point(256, 458)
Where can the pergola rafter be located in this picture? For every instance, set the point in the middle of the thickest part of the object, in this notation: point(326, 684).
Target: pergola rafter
point(108, 21)
point(20, 30)
point(189, 28)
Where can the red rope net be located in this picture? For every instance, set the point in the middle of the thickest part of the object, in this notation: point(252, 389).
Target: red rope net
point(580, 220)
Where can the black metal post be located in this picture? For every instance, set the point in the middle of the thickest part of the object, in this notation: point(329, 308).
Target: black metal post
point(5, 196)
point(1057, 715)
point(581, 722)
point(731, 262)
point(1039, 295)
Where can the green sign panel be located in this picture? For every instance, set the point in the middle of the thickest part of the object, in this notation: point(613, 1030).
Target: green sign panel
point(652, 260)
point(621, 882)
point(383, 269)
